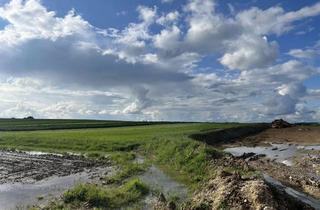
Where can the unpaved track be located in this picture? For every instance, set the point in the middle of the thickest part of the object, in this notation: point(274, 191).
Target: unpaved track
point(28, 167)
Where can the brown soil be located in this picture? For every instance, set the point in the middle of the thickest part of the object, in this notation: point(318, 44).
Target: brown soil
point(303, 135)
point(234, 192)
point(231, 190)
point(303, 176)
point(27, 168)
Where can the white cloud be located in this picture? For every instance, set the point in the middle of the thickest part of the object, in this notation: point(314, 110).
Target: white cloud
point(275, 19)
point(167, 1)
point(168, 39)
point(304, 54)
point(147, 14)
point(250, 52)
point(30, 20)
point(65, 67)
point(169, 18)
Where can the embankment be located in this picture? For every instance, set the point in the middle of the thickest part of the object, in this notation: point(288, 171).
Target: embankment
point(223, 136)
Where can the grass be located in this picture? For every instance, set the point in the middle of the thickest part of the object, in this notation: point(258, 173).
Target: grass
point(168, 145)
point(101, 140)
point(188, 161)
point(46, 124)
point(100, 197)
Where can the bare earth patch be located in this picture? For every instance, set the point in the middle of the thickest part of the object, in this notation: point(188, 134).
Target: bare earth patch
point(25, 167)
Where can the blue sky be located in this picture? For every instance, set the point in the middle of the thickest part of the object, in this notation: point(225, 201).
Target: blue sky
point(191, 60)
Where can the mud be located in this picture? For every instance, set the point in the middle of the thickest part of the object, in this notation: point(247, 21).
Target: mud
point(299, 134)
point(27, 176)
point(301, 176)
point(290, 156)
point(22, 196)
point(28, 167)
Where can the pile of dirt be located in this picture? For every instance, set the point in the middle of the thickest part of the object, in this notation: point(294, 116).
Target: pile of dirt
point(280, 123)
point(231, 191)
point(236, 187)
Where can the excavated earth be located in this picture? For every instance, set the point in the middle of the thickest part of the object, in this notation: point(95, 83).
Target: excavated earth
point(288, 155)
point(287, 159)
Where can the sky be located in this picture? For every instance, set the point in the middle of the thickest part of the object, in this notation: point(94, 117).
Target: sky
point(173, 60)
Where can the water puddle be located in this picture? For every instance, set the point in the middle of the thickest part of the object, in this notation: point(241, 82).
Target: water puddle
point(20, 195)
point(294, 193)
point(282, 153)
point(157, 179)
point(27, 176)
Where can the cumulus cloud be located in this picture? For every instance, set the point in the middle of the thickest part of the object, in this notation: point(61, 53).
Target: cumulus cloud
point(250, 52)
point(30, 20)
point(63, 66)
point(275, 19)
point(168, 39)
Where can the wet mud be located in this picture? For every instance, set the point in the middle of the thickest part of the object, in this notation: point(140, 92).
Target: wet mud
point(29, 167)
point(35, 178)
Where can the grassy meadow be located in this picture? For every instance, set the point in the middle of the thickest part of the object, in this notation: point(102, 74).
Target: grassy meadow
point(52, 124)
point(168, 146)
point(102, 139)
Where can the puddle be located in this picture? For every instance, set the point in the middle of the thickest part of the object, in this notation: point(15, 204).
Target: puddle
point(21, 195)
point(282, 153)
point(294, 193)
point(157, 179)
point(26, 176)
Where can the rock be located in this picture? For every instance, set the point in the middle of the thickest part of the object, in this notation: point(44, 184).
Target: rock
point(256, 157)
point(162, 198)
point(247, 155)
point(172, 205)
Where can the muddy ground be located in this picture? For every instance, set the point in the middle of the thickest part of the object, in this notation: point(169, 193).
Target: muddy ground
point(302, 135)
point(303, 172)
point(27, 176)
point(29, 167)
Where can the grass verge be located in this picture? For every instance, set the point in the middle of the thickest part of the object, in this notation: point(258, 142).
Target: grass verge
point(100, 197)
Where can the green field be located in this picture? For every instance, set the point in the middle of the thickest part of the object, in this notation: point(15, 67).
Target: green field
point(168, 146)
point(45, 124)
point(164, 143)
point(102, 139)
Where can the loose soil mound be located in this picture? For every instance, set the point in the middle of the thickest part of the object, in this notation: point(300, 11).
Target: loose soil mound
point(230, 191)
point(280, 123)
